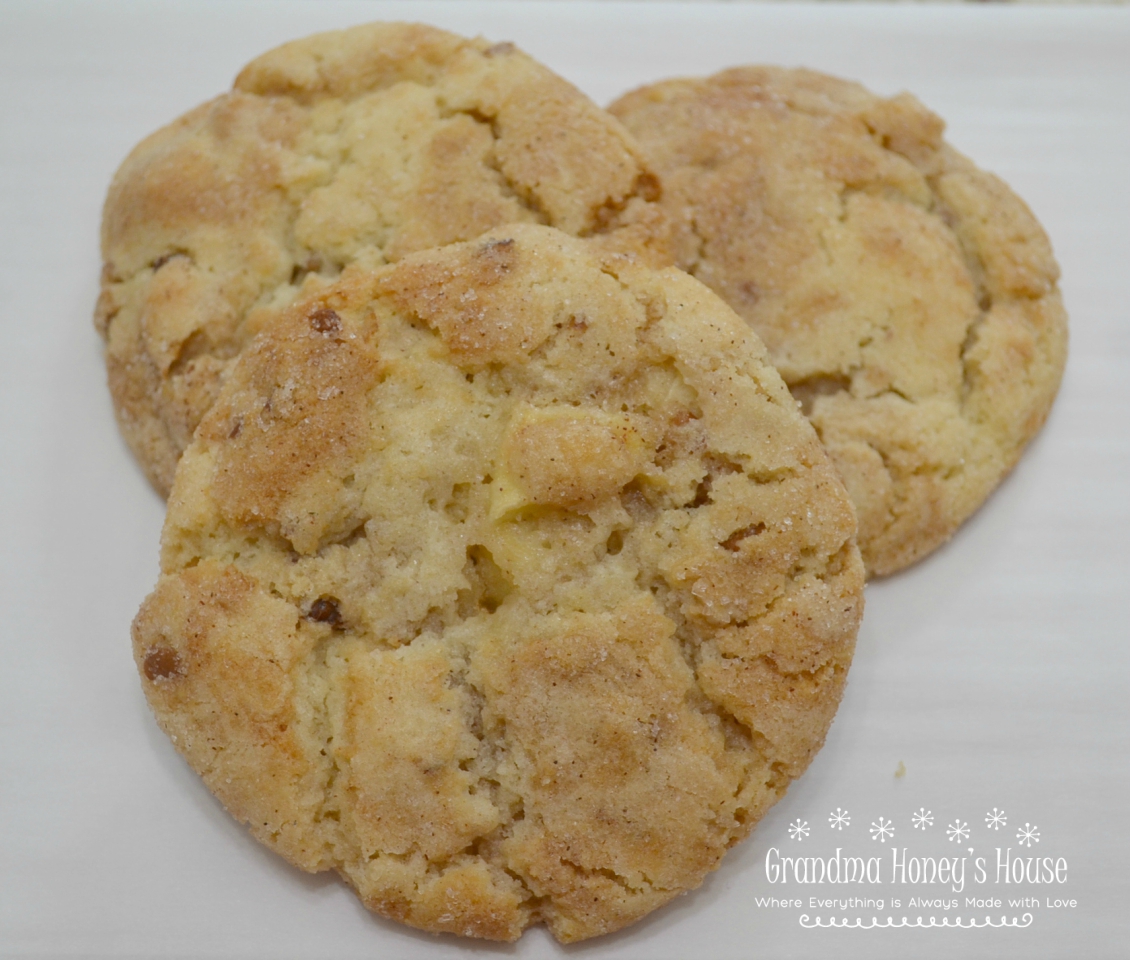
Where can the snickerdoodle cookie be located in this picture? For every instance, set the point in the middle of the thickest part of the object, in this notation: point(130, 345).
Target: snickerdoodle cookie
point(356, 146)
point(908, 299)
point(506, 580)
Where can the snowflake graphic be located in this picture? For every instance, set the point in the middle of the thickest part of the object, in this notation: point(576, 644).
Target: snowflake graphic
point(839, 819)
point(995, 819)
point(798, 830)
point(882, 829)
point(923, 818)
point(957, 830)
point(1027, 835)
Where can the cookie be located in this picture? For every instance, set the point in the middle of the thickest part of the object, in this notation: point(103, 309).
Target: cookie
point(356, 146)
point(506, 580)
point(908, 298)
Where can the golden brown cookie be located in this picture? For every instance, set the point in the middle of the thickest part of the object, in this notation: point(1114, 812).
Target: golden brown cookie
point(509, 582)
point(908, 299)
point(361, 145)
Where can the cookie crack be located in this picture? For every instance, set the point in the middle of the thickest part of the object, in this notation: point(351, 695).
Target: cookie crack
point(877, 188)
point(644, 187)
point(320, 711)
point(739, 738)
point(809, 389)
point(699, 253)
point(337, 163)
point(237, 545)
point(510, 189)
point(895, 510)
point(106, 312)
point(895, 478)
point(267, 288)
point(510, 810)
point(609, 874)
point(975, 267)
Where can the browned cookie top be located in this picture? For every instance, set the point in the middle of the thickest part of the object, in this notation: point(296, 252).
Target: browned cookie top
point(508, 581)
point(908, 299)
point(355, 146)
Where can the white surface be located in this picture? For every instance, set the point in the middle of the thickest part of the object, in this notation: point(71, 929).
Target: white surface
point(996, 671)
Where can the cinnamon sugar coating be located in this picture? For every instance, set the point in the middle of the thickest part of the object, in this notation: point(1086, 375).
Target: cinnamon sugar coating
point(908, 298)
point(356, 146)
point(507, 581)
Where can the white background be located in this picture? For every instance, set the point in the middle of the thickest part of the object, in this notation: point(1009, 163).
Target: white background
point(995, 671)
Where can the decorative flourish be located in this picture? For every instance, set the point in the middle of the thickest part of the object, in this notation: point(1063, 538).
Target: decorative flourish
point(995, 819)
point(922, 819)
point(882, 829)
point(839, 819)
point(957, 830)
point(1028, 835)
point(858, 924)
point(798, 830)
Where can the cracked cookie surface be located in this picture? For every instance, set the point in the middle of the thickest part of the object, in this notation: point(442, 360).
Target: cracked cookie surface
point(506, 580)
point(908, 299)
point(356, 146)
